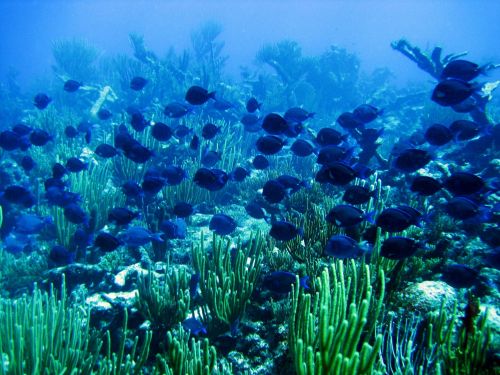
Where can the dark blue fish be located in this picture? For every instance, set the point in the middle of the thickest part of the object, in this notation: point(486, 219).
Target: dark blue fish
point(239, 174)
point(132, 189)
point(58, 171)
point(357, 194)
point(138, 153)
point(255, 210)
point(76, 165)
point(138, 122)
point(438, 135)
point(9, 140)
point(58, 197)
point(464, 130)
point(468, 105)
point(121, 216)
point(339, 173)
point(153, 182)
point(260, 162)
point(176, 110)
point(344, 215)
point(293, 130)
point(461, 69)
point(415, 214)
point(369, 137)
point(31, 223)
point(347, 120)
point(425, 185)
point(123, 139)
point(252, 105)
point(222, 224)
point(71, 132)
point(291, 184)
point(27, 163)
point(194, 326)
point(297, 114)
point(107, 242)
point(302, 148)
point(209, 131)
point(331, 154)
point(284, 231)
point(138, 83)
point(174, 175)
point(75, 214)
point(398, 247)
point(459, 275)
point(175, 229)
point(60, 256)
point(464, 183)
point(412, 159)
point(343, 247)
point(19, 195)
point(366, 113)
point(54, 182)
point(221, 104)
point(39, 137)
point(274, 124)
point(251, 123)
point(280, 282)
point(195, 143)
point(492, 258)
point(181, 131)
point(88, 136)
point(462, 208)
point(183, 209)
point(274, 191)
point(210, 158)
point(193, 285)
point(269, 144)
point(84, 126)
point(197, 95)
point(16, 243)
point(161, 132)
point(104, 114)
point(21, 129)
point(210, 179)
point(41, 101)
point(396, 219)
point(138, 236)
point(81, 238)
point(451, 92)
point(329, 137)
point(71, 85)
point(106, 151)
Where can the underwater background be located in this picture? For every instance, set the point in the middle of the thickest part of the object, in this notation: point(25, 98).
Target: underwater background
point(249, 187)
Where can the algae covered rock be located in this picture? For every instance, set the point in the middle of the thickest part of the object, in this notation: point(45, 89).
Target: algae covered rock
point(427, 296)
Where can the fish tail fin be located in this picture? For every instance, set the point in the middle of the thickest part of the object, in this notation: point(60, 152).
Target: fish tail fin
point(301, 232)
point(362, 171)
point(157, 237)
point(370, 217)
point(303, 282)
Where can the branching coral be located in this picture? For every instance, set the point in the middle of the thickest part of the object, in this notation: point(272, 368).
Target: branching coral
point(44, 335)
point(75, 58)
point(227, 278)
point(185, 356)
point(164, 303)
point(122, 363)
point(208, 53)
point(332, 331)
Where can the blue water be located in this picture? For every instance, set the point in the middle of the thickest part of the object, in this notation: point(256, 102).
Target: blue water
point(253, 148)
